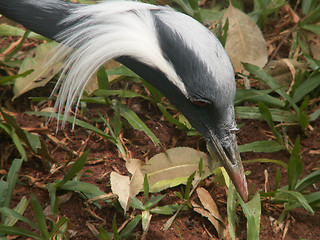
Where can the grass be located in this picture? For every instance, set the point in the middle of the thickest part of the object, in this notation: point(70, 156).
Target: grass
point(291, 104)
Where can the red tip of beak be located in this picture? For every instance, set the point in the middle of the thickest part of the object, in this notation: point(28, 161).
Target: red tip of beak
point(240, 183)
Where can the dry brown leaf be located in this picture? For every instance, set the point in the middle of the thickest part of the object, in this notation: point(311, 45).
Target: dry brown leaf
point(208, 203)
point(283, 71)
point(44, 68)
point(219, 226)
point(314, 43)
point(136, 181)
point(120, 185)
point(245, 42)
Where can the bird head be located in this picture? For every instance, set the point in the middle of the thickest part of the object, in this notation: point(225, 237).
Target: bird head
point(170, 50)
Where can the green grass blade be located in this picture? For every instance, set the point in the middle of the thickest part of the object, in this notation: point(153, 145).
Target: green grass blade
point(252, 211)
point(231, 211)
point(256, 96)
point(146, 189)
point(104, 235)
point(12, 213)
point(266, 160)
point(267, 79)
point(268, 118)
point(76, 122)
point(39, 214)
point(115, 228)
point(295, 165)
point(124, 93)
point(88, 189)
point(301, 199)
point(306, 87)
point(136, 203)
point(315, 115)
point(127, 231)
point(76, 168)
point(308, 180)
point(135, 121)
point(20, 209)
point(12, 180)
point(13, 231)
point(171, 119)
point(165, 210)
point(277, 114)
point(153, 201)
point(102, 77)
point(261, 146)
point(57, 226)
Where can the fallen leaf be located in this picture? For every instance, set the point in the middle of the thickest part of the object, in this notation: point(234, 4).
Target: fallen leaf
point(245, 42)
point(120, 185)
point(208, 203)
point(44, 68)
point(221, 230)
point(173, 167)
point(283, 71)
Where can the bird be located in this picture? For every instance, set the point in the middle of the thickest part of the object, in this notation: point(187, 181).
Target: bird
point(170, 50)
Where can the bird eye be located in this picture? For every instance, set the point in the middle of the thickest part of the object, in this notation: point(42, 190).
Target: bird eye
point(201, 103)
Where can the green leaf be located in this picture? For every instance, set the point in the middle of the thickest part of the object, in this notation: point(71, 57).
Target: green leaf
point(20, 209)
point(7, 79)
point(136, 203)
point(306, 87)
point(146, 188)
point(88, 189)
point(76, 168)
point(8, 30)
point(128, 229)
point(76, 122)
point(12, 180)
point(268, 117)
point(171, 119)
point(165, 210)
point(231, 211)
point(267, 79)
point(266, 160)
point(277, 114)
point(39, 214)
point(104, 235)
point(261, 146)
point(300, 198)
point(115, 228)
point(295, 165)
point(146, 218)
point(153, 201)
point(13, 214)
point(135, 121)
point(308, 180)
point(308, 6)
point(256, 96)
point(31, 140)
point(12, 231)
point(102, 77)
point(252, 210)
point(315, 115)
point(15, 138)
point(123, 93)
point(62, 220)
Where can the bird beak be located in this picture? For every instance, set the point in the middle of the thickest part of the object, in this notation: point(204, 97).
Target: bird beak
point(231, 161)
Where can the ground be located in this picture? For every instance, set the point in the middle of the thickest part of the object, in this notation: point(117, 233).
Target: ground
point(33, 175)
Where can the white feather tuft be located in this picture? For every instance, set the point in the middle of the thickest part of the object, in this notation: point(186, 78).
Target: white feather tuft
point(106, 31)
